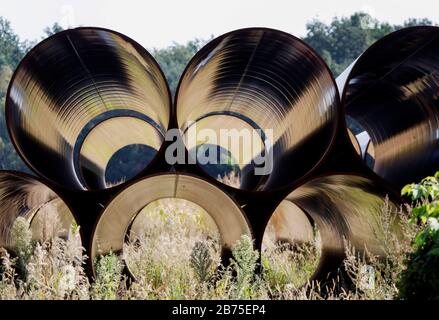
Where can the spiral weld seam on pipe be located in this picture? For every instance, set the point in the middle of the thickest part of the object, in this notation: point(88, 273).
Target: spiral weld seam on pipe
point(76, 82)
point(220, 75)
point(259, 78)
point(22, 195)
point(390, 91)
point(114, 222)
point(344, 207)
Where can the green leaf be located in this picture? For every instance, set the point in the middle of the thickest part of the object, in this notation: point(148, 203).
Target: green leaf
point(415, 193)
point(406, 190)
point(433, 252)
point(421, 238)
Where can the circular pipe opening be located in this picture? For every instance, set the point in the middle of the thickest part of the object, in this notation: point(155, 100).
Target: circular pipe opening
point(117, 219)
point(23, 196)
point(253, 95)
point(82, 96)
point(164, 235)
point(291, 247)
point(344, 207)
point(390, 99)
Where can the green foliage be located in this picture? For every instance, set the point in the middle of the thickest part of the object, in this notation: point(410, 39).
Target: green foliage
point(11, 49)
point(421, 279)
point(289, 265)
point(174, 59)
point(23, 246)
point(201, 261)
point(427, 189)
point(244, 258)
point(339, 43)
point(55, 28)
point(108, 277)
point(11, 52)
point(55, 270)
point(244, 264)
point(345, 38)
point(53, 267)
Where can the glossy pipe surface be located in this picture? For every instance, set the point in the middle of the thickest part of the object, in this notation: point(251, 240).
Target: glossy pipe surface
point(259, 79)
point(391, 93)
point(23, 196)
point(78, 98)
point(343, 206)
point(114, 223)
point(84, 95)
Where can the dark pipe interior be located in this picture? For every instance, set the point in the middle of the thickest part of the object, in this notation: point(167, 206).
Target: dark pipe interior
point(23, 196)
point(81, 96)
point(259, 79)
point(116, 219)
point(289, 224)
point(343, 206)
point(391, 93)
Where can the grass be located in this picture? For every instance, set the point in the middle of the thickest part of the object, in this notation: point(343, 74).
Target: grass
point(173, 252)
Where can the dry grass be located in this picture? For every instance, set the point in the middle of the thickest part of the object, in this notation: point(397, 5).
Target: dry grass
point(160, 245)
point(173, 253)
point(52, 269)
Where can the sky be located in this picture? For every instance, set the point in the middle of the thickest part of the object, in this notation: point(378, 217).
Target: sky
point(160, 23)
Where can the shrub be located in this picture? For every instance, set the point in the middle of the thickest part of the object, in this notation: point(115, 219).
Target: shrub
point(244, 259)
point(22, 244)
point(246, 284)
point(176, 258)
point(201, 261)
point(108, 277)
point(421, 278)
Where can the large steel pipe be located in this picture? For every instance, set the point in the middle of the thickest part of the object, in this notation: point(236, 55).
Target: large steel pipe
point(23, 196)
point(115, 221)
point(390, 96)
point(82, 98)
point(258, 80)
point(343, 207)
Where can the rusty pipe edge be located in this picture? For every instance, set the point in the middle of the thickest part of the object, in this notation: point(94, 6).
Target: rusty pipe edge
point(390, 97)
point(79, 97)
point(344, 207)
point(22, 195)
point(265, 79)
point(114, 222)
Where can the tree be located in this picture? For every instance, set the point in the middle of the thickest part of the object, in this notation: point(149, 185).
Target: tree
point(9, 158)
point(420, 280)
point(174, 59)
point(344, 39)
point(411, 22)
point(11, 52)
point(339, 43)
point(10, 47)
point(55, 28)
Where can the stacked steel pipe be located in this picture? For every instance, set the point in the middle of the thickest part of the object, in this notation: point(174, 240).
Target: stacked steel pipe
point(82, 95)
